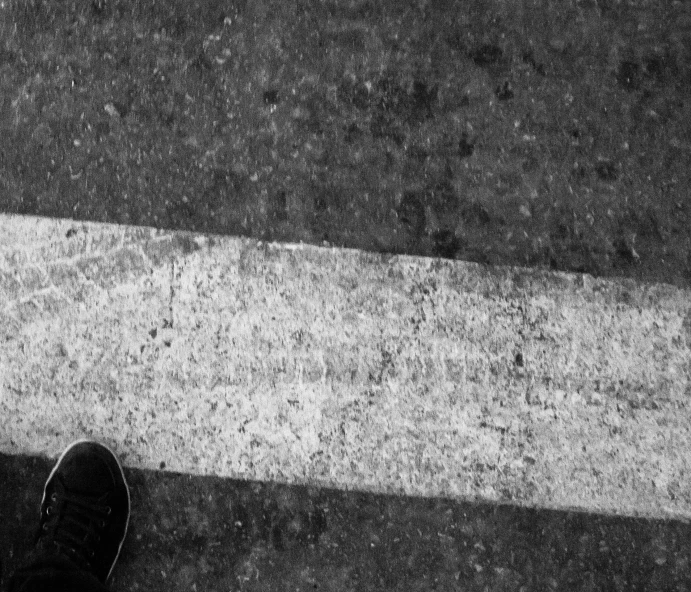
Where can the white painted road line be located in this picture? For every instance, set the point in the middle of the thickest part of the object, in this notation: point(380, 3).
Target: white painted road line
point(339, 368)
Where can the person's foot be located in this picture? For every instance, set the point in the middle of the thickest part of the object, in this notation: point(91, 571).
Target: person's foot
point(86, 508)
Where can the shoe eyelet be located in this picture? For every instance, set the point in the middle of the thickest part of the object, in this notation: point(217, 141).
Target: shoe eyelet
point(45, 527)
point(103, 524)
point(108, 510)
point(49, 511)
point(54, 497)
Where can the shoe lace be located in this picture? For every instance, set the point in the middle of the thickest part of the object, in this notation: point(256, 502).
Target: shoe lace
point(74, 523)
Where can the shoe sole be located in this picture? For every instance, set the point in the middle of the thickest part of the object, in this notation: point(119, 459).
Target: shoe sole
point(127, 489)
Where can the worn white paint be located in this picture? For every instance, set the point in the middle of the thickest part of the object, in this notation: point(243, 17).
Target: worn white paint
point(339, 368)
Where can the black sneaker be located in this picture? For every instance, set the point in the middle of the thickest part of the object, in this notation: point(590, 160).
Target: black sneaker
point(86, 508)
